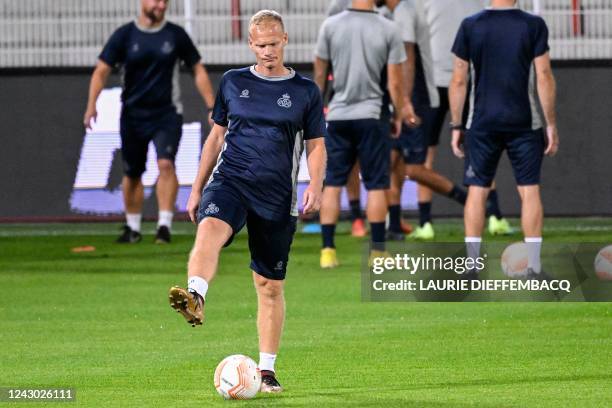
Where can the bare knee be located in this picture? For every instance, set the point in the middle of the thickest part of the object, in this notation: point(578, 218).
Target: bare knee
point(166, 167)
point(268, 289)
point(413, 171)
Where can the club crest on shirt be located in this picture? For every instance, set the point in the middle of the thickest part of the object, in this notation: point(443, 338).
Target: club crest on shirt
point(284, 101)
point(245, 93)
point(167, 47)
point(211, 209)
point(135, 47)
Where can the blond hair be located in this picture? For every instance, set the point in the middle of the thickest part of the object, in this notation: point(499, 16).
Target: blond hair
point(263, 16)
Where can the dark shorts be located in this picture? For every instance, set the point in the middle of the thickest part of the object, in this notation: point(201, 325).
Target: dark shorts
point(366, 140)
point(165, 132)
point(483, 151)
point(438, 118)
point(413, 142)
point(269, 241)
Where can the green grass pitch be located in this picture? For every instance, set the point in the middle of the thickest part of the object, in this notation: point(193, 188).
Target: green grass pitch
point(100, 322)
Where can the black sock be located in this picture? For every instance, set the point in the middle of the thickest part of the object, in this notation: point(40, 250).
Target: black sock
point(355, 209)
point(395, 218)
point(458, 194)
point(424, 213)
point(327, 232)
point(493, 205)
point(377, 230)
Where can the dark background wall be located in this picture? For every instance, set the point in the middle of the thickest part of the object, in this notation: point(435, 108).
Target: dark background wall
point(42, 135)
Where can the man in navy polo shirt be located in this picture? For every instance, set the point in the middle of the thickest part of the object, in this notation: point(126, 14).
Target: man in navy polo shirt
point(263, 114)
point(149, 51)
point(506, 50)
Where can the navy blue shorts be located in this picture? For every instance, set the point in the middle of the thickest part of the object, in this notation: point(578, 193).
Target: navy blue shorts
point(483, 151)
point(413, 142)
point(269, 241)
point(165, 132)
point(363, 139)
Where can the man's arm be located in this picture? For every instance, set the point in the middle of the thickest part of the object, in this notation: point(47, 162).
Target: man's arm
point(316, 157)
point(395, 80)
point(409, 70)
point(202, 83)
point(98, 80)
point(321, 69)
point(547, 92)
point(457, 92)
point(210, 153)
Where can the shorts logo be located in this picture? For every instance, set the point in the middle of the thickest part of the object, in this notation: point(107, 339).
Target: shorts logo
point(211, 209)
point(469, 173)
point(285, 101)
point(245, 93)
point(167, 48)
point(279, 266)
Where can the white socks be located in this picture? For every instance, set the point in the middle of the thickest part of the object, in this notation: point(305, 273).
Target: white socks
point(534, 248)
point(266, 361)
point(165, 219)
point(133, 221)
point(199, 285)
point(472, 246)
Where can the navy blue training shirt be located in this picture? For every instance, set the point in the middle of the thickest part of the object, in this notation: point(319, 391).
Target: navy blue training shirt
point(267, 120)
point(500, 45)
point(150, 61)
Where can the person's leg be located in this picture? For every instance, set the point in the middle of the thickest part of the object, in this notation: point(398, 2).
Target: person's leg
point(215, 230)
point(394, 193)
point(482, 153)
point(353, 191)
point(374, 156)
point(269, 244)
point(166, 139)
point(134, 147)
point(526, 153)
point(166, 190)
point(270, 318)
point(424, 193)
point(330, 210)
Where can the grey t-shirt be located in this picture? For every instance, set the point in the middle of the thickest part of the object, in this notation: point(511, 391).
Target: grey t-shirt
point(444, 18)
point(412, 20)
point(358, 57)
point(336, 6)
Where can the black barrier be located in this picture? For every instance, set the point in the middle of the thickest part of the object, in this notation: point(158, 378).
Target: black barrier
point(42, 140)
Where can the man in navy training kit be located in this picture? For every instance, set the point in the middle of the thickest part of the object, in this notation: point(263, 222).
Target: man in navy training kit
point(263, 114)
point(444, 18)
point(505, 49)
point(149, 51)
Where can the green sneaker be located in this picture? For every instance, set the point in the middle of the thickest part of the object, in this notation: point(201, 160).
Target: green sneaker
point(499, 226)
point(424, 233)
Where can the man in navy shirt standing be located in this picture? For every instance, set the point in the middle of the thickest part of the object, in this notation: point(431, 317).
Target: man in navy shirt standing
point(248, 175)
point(506, 51)
point(149, 51)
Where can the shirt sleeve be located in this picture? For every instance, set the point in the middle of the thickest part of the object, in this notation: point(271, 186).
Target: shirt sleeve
point(322, 48)
point(397, 51)
point(406, 19)
point(461, 46)
point(540, 46)
point(188, 53)
point(113, 52)
point(220, 110)
point(314, 121)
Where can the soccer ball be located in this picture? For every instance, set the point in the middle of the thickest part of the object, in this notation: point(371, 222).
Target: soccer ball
point(603, 264)
point(237, 377)
point(514, 260)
